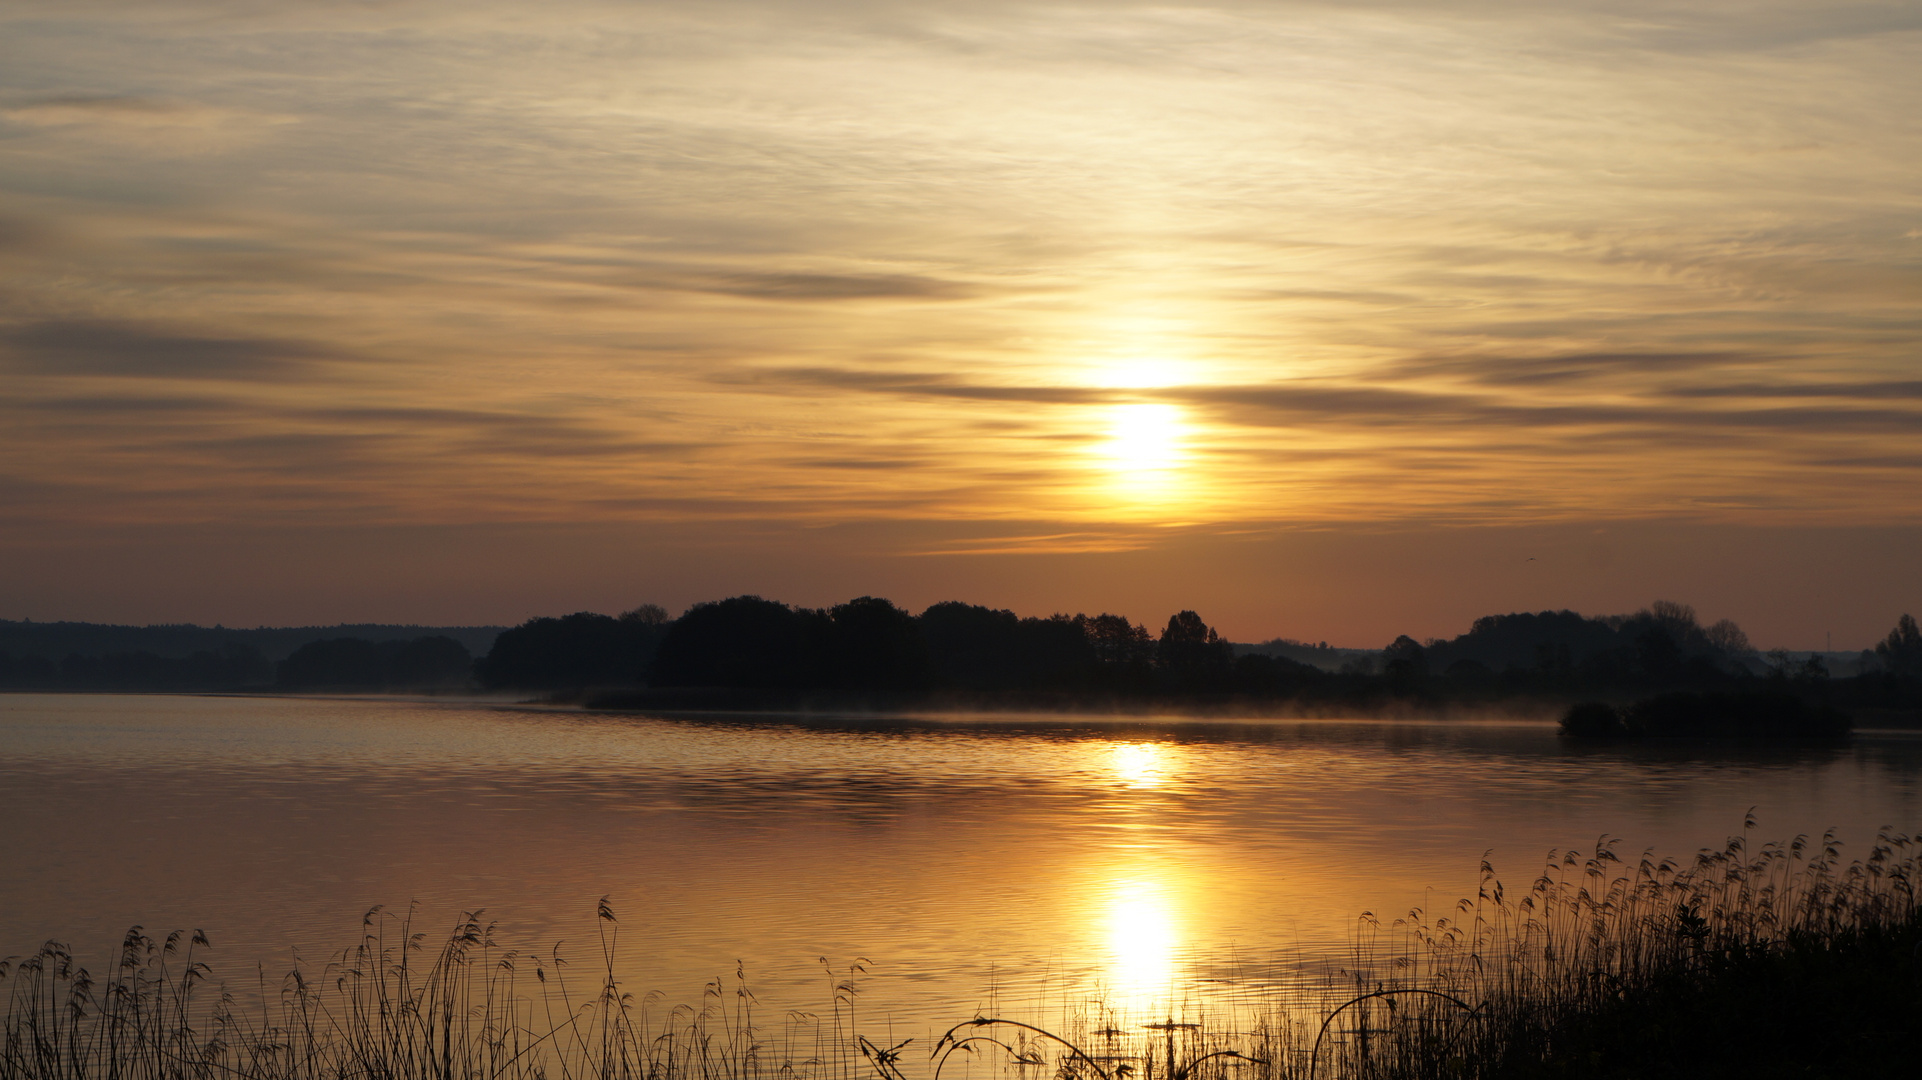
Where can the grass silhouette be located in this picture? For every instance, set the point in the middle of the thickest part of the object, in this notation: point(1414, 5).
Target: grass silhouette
point(1763, 960)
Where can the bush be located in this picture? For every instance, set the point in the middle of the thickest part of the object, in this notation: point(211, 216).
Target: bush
point(1593, 720)
point(1763, 714)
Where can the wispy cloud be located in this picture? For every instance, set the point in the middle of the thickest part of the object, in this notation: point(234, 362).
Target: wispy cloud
point(120, 349)
point(438, 262)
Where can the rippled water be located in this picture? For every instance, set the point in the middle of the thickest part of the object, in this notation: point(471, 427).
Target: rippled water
point(1027, 856)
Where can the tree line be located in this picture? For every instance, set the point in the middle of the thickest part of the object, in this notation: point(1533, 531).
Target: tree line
point(865, 645)
point(870, 649)
point(869, 646)
point(429, 662)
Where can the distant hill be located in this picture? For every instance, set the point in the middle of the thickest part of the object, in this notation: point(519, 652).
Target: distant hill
point(57, 640)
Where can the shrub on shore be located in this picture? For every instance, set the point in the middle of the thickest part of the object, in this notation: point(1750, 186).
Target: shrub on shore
point(1761, 714)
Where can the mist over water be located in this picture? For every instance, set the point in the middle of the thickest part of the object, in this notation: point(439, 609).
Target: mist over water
point(1017, 863)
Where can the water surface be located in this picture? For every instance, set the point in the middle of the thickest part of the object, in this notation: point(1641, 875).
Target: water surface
point(1010, 863)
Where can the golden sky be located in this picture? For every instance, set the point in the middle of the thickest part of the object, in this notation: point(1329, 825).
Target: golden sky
point(1038, 280)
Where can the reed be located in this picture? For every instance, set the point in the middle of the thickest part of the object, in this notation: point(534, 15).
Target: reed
point(1600, 966)
point(392, 1008)
point(1606, 967)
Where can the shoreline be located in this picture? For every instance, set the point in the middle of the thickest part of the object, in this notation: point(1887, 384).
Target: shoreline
point(729, 703)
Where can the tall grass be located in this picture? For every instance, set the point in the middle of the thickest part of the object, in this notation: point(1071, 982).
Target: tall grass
point(392, 1008)
point(1509, 984)
point(1552, 978)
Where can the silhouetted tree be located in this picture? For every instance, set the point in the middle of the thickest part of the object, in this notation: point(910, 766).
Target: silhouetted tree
point(972, 647)
point(1262, 675)
point(1501, 642)
point(877, 646)
point(1117, 641)
point(1124, 650)
point(1191, 656)
point(1811, 670)
point(77, 670)
point(578, 650)
point(426, 663)
point(1728, 639)
point(336, 664)
point(1471, 674)
point(1672, 648)
point(1554, 662)
point(29, 672)
point(1054, 654)
point(1901, 651)
point(745, 641)
point(1404, 664)
point(1659, 657)
point(647, 615)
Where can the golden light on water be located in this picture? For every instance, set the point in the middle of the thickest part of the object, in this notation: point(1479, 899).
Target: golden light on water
point(1144, 935)
point(1139, 909)
point(1141, 765)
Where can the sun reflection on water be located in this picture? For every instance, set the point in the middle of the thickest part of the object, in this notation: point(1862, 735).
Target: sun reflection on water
point(1139, 906)
point(1144, 936)
point(1141, 765)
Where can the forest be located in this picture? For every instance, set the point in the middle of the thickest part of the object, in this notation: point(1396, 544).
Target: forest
point(750, 652)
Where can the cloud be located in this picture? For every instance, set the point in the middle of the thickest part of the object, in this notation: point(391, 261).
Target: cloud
point(1325, 404)
point(156, 126)
point(1058, 543)
point(877, 257)
point(498, 433)
point(1866, 391)
point(118, 406)
point(111, 348)
point(18, 234)
point(831, 287)
point(922, 385)
point(1527, 371)
point(1654, 411)
point(113, 109)
point(879, 464)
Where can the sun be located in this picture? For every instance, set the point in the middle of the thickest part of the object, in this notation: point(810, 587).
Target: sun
point(1143, 439)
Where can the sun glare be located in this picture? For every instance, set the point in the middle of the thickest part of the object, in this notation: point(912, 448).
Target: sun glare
point(1143, 937)
point(1144, 440)
point(1140, 373)
point(1140, 765)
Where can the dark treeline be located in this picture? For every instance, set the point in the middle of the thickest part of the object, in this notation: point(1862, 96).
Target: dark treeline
point(185, 657)
point(335, 664)
point(57, 640)
point(870, 646)
point(230, 667)
point(425, 663)
point(750, 652)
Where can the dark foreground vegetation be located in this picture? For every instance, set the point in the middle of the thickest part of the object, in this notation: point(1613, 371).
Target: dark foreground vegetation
point(749, 653)
point(1772, 961)
point(1768, 713)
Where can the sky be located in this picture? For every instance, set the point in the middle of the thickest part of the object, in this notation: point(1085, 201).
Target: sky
point(1328, 320)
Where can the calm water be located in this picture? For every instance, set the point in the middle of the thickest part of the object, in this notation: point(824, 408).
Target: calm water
point(1037, 857)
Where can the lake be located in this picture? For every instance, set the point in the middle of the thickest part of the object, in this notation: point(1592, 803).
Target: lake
point(1011, 863)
